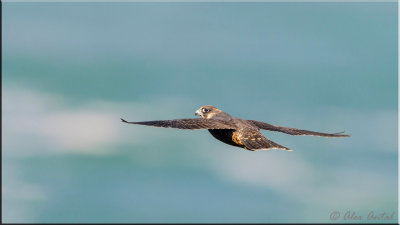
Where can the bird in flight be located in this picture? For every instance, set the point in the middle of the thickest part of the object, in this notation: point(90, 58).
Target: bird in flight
point(234, 131)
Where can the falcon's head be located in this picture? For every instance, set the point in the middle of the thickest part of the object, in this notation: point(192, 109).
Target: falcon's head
point(207, 111)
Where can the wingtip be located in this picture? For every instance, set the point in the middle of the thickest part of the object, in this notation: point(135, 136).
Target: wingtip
point(123, 120)
point(342, 134)
point(347, 135)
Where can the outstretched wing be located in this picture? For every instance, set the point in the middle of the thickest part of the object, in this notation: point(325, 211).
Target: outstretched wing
point(191, 124)
point(294, 131)
point(253, 140)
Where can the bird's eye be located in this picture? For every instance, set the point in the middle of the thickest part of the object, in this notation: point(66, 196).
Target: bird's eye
point(205, 110)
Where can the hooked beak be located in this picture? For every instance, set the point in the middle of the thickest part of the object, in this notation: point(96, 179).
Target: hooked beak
point(198, 113)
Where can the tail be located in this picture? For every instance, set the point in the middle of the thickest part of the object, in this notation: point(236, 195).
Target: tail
point(259, 142)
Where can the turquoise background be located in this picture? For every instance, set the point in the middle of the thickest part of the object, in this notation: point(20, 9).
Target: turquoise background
point(71, 70)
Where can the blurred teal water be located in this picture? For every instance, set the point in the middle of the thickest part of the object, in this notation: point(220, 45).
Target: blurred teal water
point(71, 70)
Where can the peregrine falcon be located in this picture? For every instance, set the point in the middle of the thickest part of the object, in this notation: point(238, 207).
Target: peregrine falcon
point(234, 131)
